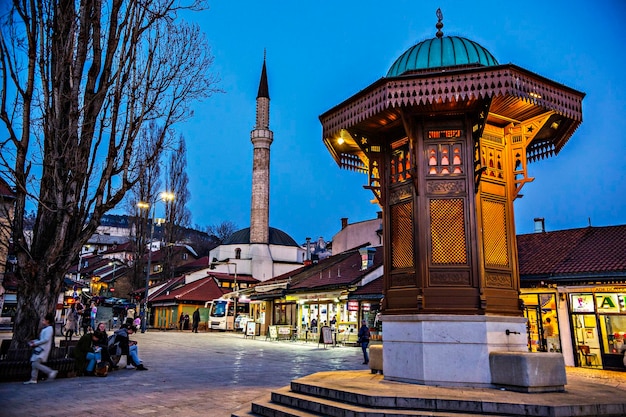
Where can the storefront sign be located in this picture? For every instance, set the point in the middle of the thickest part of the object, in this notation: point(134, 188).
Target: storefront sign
point(251, 328)
point(582, 303)
point(273, 332)
point(366, 306)
point(607, 303)
point(353, 306)
point(315, 296)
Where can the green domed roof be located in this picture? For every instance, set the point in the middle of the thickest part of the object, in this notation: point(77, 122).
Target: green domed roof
point(440, 52)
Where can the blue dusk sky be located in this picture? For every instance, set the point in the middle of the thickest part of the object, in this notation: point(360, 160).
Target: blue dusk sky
point(320, 53)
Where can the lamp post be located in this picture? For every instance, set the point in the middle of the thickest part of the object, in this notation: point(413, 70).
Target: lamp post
point(212, 266)
point(165, 196)
point(112, 281)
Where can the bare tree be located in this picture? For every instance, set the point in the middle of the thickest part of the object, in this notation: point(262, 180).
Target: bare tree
point(79, 82)
point(177, 181)
point(223, 230)
point(142, 196)
point(177, 215)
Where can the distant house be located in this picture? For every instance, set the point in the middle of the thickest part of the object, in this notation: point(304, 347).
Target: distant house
point(352, 235)
point(574, 293)
point(181, 255)
point(170, 304)
point(317, 295)
point(99, 276)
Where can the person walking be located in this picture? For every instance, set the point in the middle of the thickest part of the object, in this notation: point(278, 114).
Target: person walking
point(80, 310)
point(196, 320)
point(364, 340)
point(41, 350)
point(71, 322)
point(181, 320)
point(92, 315)
point(86, 319)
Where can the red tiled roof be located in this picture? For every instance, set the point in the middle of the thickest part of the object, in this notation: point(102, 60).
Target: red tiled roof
point(589, 250)
point(122, 247)
point(374, 287)
point(248, 279)
point(199, 263)
point(171, 283)
point(5, 190)
point(202, 290)
point(329, 272)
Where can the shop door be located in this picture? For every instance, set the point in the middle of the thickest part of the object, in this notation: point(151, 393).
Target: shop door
point(586, 341)
point(613, 337)
point(534, 329)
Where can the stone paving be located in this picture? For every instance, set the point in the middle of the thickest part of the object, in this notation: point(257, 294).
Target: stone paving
point(190, 374)
point(205, 374)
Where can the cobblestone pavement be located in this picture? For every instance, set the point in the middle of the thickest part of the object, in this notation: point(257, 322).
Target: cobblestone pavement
point(205, 374)
point(190, 374)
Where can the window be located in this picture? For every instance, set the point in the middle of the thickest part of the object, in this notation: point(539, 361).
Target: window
point(238, 253)
point(400, 161)
point(445, 159)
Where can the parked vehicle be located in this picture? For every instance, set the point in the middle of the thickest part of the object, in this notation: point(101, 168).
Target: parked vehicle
point(222, 314)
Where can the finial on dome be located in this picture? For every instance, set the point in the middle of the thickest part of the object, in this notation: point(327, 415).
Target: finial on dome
point(439, 25)
point(264, 53)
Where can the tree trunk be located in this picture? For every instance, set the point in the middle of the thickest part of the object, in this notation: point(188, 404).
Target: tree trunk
point(34, 304)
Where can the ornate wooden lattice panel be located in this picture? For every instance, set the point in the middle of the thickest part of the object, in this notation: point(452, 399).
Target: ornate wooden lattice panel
point(495, 240)
point(492, 157)
point(402, 235)
point(447, 232)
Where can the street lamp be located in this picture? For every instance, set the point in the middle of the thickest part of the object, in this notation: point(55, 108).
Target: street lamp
point(166, 197)
point(112, 281)
point(212, 266)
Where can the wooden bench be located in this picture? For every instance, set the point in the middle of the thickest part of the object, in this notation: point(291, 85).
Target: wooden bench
point(16, 365)
point(4, 348)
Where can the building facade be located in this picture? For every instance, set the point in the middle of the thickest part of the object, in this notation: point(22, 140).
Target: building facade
point(574, 294)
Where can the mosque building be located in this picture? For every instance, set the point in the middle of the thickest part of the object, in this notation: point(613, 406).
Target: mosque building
point(259, 250)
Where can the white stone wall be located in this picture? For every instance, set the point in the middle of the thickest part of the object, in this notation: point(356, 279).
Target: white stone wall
point(357, 234)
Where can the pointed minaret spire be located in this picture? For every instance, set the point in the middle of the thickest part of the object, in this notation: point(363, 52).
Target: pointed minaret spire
point(264, 90)
point(261, 138)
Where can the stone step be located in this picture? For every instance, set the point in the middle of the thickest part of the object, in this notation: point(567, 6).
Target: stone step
point(264, 407)
point(306, 405)
point(480, 402)
point(361, 394)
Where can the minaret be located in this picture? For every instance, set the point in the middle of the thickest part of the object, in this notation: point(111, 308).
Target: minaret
point(261, 138)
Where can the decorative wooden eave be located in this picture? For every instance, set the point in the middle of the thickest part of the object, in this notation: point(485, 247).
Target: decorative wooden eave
point(517, 95)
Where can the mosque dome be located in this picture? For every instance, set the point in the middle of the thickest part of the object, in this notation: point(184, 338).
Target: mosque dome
point(277, 237)
point(441, 52)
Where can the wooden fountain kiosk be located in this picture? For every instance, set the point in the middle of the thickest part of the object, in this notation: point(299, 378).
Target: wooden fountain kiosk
point(445, 138)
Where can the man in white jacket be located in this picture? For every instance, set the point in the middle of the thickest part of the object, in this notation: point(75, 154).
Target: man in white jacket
point(41, 350)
